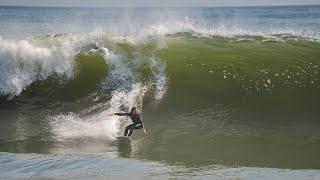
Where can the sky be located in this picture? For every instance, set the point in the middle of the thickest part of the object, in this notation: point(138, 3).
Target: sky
point(107, 3)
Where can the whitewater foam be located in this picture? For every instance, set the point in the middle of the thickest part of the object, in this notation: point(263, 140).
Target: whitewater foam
point(24, 61)
point(100, 125)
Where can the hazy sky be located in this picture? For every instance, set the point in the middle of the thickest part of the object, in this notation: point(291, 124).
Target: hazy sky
point(99, 3)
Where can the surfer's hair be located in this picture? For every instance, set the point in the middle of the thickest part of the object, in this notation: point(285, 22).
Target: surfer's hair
point(133, 108)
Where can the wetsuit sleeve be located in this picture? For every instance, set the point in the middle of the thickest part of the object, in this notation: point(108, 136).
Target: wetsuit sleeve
point(122, 114)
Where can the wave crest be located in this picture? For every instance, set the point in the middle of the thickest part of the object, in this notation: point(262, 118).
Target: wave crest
point(24, 61)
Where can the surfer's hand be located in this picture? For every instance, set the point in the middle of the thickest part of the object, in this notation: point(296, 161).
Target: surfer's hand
point(145, 131)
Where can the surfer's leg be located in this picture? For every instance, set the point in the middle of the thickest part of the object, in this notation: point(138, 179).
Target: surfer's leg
point(134, 126)
point(129, 129)
point(138, 126)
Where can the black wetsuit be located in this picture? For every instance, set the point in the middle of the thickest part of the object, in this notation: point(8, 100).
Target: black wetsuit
point(137, 123)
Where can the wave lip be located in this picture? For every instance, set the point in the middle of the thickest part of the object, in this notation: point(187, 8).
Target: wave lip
point(23, 62)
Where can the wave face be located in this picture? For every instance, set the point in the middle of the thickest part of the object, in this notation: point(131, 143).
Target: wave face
point(216, 85)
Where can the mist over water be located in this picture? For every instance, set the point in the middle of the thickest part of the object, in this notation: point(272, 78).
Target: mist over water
point(224, 92)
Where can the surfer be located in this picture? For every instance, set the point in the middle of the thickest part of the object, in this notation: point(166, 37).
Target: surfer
point(136, 119)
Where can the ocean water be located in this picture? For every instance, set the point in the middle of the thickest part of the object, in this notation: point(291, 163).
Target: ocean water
point(225, 93)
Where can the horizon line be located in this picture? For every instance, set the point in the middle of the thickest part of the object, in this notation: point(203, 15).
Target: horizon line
point(155, 6)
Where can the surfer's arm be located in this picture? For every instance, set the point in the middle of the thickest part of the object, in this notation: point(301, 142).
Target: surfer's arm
point(122, 114)
point(144, 129)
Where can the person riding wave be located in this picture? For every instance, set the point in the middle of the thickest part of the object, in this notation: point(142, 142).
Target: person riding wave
point(136, 119)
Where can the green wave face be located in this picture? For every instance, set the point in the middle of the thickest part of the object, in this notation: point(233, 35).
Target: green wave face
point(238, 101)
point(90, 71)
point(226, 68)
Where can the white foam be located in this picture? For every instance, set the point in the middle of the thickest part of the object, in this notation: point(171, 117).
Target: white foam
point(25, 61)
point(159, 80)
point(100, 125)
point(71, 126)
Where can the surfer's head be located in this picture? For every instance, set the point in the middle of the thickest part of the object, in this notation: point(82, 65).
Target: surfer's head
point(134, 110)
